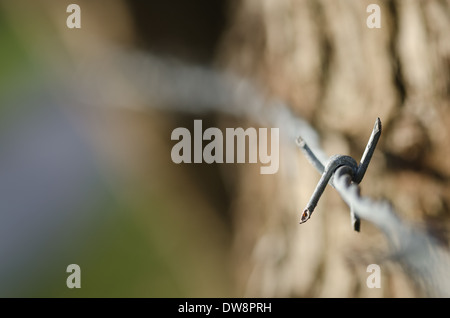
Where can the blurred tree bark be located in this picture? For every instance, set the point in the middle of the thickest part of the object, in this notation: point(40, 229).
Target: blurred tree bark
point(340, 75)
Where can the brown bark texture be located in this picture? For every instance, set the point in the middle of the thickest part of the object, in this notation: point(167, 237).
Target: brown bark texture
point(339, 74)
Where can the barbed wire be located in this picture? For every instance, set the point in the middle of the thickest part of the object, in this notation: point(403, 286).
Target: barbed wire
point(171, 85)
point(420, 254)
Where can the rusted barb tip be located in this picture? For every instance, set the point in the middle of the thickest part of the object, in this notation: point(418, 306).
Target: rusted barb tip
point(305, 216)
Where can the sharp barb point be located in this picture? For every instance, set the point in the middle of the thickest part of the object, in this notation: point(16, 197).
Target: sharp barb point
point(305, 216)
point(378, 125)
point(300, 141)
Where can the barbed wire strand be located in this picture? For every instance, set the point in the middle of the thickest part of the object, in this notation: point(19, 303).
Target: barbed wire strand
point(171, 85)
point(421, 255)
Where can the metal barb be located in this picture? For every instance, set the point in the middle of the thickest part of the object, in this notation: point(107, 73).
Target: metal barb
point(368, 152)
point(335, 162)
point(346, 165)
point(310, 155)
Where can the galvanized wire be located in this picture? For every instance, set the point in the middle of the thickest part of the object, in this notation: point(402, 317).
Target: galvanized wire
point(427, 262)
point(168, 84)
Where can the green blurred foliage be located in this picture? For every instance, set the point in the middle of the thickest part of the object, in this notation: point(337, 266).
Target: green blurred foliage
point(146, 246)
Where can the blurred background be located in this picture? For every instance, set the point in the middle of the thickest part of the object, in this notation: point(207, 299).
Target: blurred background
point(86, 175)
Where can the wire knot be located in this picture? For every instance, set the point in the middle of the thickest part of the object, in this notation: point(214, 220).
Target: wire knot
point(339, 165)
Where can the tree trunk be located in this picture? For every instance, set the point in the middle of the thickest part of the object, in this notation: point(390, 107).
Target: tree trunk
point(339, 74)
